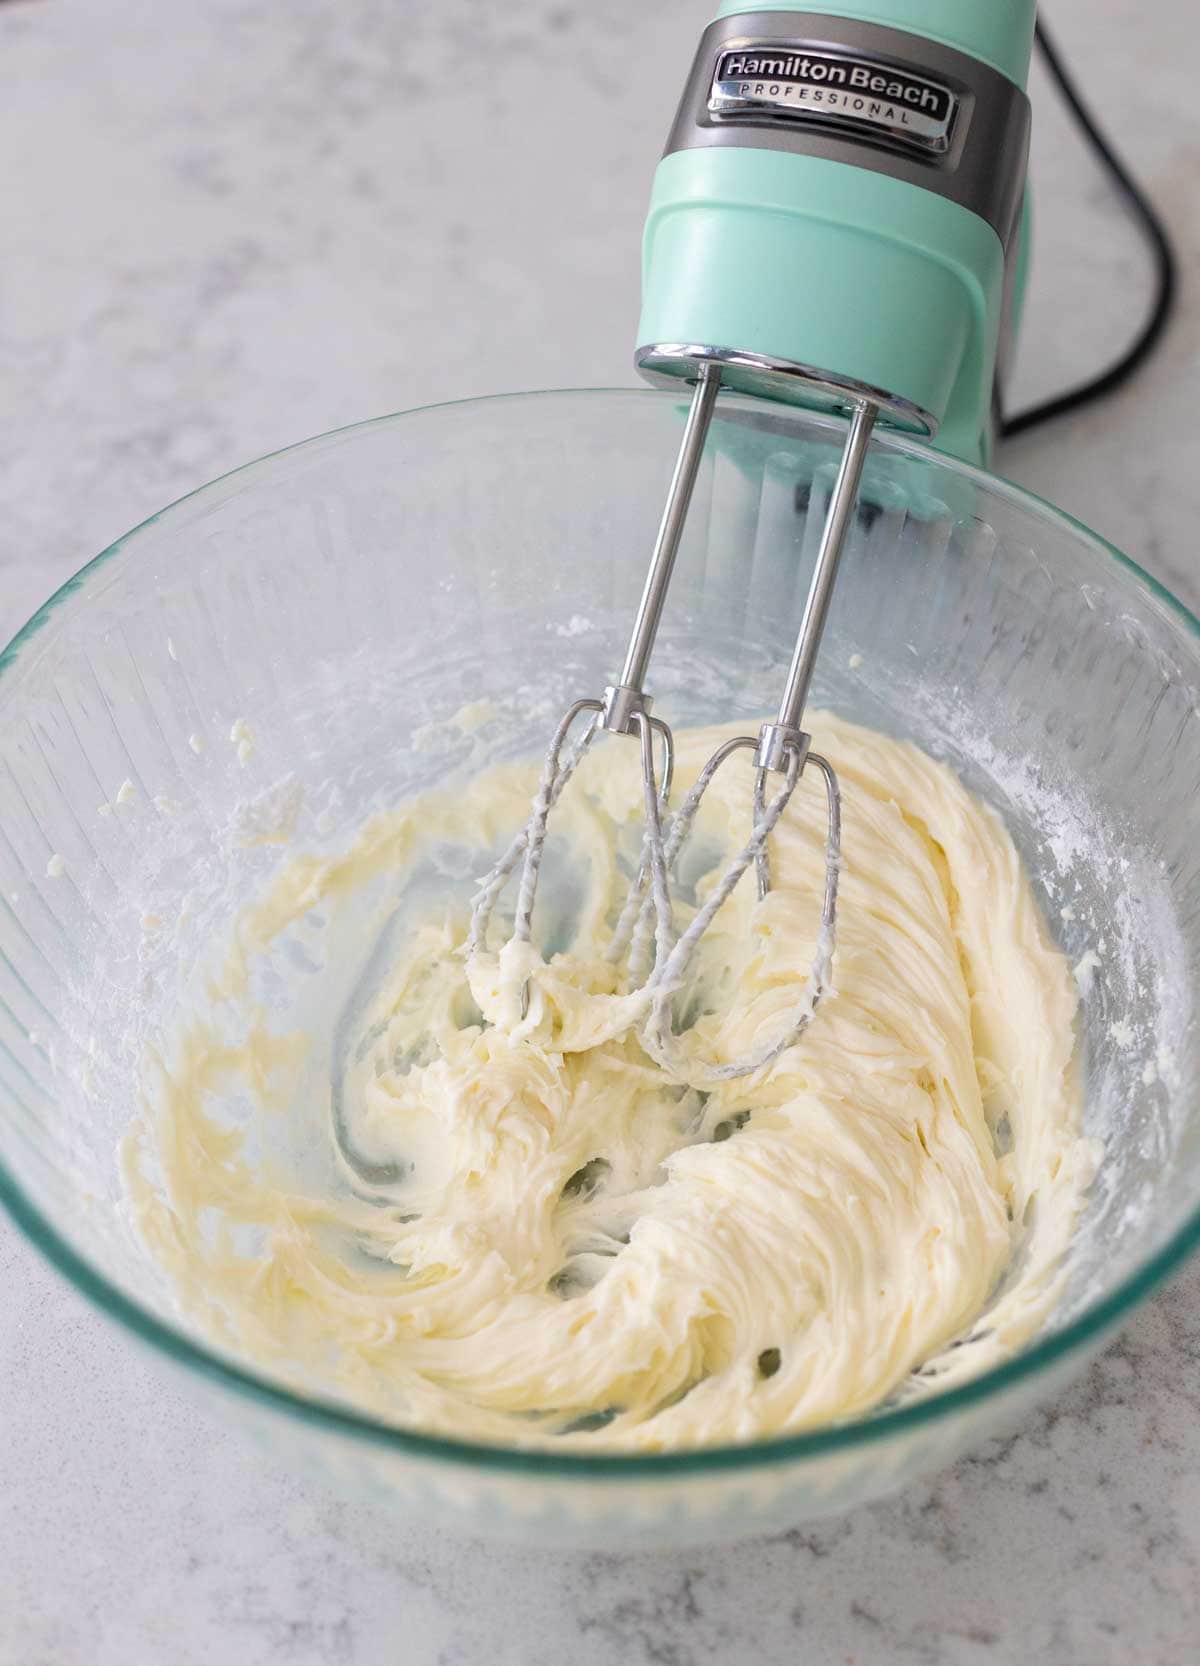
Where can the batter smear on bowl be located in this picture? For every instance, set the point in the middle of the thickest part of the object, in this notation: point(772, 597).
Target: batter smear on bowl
point(503, 1219)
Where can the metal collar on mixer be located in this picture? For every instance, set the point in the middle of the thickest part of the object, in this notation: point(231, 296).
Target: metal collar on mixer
point(665, 364)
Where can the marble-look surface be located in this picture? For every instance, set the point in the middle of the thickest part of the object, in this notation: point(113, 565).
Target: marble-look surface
point(231, 224)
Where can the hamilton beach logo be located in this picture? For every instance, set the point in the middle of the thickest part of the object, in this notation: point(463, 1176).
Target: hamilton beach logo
point(775, 79)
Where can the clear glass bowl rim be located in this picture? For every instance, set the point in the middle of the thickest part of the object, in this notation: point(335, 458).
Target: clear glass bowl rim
point(335, 1418)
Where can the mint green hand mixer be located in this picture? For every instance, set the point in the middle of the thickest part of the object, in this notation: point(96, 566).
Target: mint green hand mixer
point(835, 223)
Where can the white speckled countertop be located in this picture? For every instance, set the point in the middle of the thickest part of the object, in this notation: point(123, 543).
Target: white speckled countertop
point(224, 229)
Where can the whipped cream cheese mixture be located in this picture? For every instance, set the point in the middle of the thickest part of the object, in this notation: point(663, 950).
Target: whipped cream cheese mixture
point(521, 1229)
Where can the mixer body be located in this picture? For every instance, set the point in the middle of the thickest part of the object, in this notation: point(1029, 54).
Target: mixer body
point(834, 224)
point(837, 214)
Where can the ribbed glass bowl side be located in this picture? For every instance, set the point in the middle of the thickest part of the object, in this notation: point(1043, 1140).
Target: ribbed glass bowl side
point(283, 650)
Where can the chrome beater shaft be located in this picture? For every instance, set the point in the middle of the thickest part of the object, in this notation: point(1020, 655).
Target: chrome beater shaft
point(781, 747)
point(625, 708)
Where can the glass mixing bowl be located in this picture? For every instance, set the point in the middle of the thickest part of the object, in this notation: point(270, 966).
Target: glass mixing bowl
point(285, 648)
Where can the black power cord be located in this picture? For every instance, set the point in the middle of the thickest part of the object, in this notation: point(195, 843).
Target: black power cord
point(1155, 233)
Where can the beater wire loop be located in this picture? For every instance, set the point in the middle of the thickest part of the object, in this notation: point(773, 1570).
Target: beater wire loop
point(632, 930)
point(530, 841)
point(664, 983)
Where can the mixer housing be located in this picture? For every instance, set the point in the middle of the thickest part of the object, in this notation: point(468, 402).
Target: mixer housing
point(837, 215)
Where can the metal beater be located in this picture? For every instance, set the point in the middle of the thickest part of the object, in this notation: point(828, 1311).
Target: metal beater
point(834, 193)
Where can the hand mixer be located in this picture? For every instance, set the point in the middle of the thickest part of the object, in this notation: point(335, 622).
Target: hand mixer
point(835, 223)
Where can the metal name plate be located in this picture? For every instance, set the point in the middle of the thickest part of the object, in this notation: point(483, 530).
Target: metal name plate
point(776, 80)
